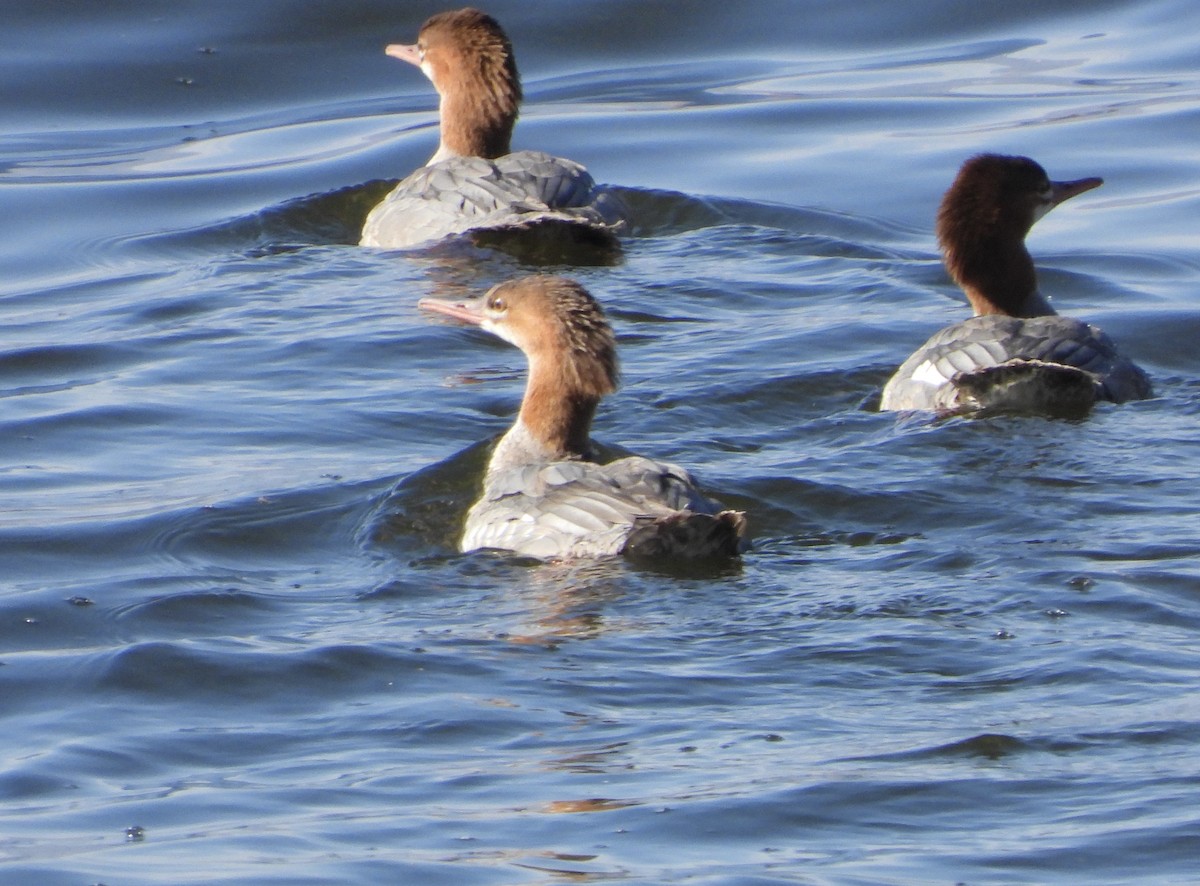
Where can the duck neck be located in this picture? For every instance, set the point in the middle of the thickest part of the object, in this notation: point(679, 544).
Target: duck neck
point(559, 418)
point(554, 424)
point(998, 278)
point(475, 124)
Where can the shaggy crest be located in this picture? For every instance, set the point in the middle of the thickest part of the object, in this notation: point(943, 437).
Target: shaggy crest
point(992, 197)
point(485, 88)
point(575, 325)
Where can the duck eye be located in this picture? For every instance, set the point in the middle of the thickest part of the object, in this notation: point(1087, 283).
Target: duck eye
point(498, 305)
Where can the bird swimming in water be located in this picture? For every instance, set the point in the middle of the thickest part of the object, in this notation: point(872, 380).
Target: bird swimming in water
point(543, 495)
point(474, 182)
point(1016, 353)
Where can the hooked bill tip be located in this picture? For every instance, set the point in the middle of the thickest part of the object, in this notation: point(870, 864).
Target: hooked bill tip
point(447, 308)
point(1066, 190)
point(405, 52)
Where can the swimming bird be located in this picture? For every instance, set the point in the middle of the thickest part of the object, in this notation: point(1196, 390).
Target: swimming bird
point(473, 181)
point(543, 494)
point(1016, 353)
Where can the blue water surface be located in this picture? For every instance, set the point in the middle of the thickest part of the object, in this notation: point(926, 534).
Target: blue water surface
point(237, 644)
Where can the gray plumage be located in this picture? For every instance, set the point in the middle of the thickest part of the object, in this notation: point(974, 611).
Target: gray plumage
point(1056, 364)
point(568, 509)
point(462, 194)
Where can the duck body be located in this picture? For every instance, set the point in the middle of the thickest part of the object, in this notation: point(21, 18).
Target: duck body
point(1047, 364)
point(562, 509)
point(544, 495)
point(1016, 353)
point(462, 194)
point(474, 181)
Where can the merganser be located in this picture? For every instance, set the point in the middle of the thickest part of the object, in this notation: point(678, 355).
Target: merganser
point(543, 494)
point(1016, 353)
point(473, 182)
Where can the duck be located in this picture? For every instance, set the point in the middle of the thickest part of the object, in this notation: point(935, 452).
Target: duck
point(1016, 354)
point(474, 181)
point(545, 495)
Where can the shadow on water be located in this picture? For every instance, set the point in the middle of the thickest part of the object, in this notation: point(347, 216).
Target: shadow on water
point(658, 213)
point(425, 510)
point(547, 245)
point(258, 533)
point(335, 218)
point(329, 218)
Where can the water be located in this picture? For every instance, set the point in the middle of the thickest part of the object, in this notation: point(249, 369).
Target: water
point(236, 644)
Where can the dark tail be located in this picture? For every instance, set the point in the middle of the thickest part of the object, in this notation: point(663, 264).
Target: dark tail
point(1029, 386)
point(689, 535)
